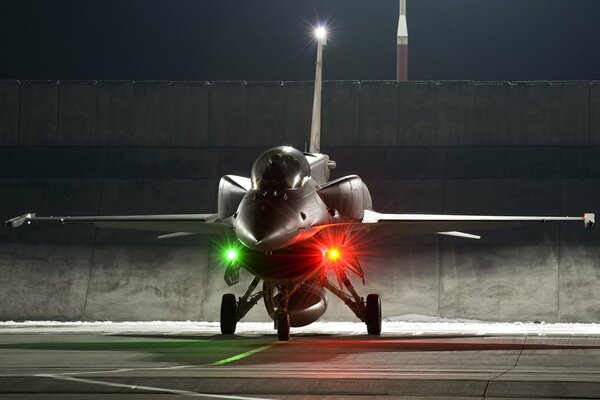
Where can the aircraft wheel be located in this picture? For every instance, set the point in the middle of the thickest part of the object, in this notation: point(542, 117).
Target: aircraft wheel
point(373, 315)
point(283, 326)
point(228, 314)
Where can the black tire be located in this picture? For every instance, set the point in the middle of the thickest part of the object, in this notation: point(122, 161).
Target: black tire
point(283, 326)
point(373, 314)
point(228, 314)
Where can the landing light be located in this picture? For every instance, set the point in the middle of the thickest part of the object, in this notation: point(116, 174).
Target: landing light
point(320, 32)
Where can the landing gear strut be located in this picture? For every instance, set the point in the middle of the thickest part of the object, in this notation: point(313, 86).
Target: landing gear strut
point(367, 311)
point(283, 325)
point(277, 297)
point(232, 311)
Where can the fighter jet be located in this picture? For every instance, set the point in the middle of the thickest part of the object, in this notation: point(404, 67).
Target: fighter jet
point(296, 231)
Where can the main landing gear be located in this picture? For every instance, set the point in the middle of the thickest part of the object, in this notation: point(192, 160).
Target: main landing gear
point(233, 310)
point(228, 314)
point(373, 314)
point(277, 298)
point(368, 311)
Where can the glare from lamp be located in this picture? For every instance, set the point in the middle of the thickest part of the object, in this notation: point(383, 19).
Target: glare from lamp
point(320, 33)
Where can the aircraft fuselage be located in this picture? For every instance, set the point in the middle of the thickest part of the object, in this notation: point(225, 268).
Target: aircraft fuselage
point(272, 219)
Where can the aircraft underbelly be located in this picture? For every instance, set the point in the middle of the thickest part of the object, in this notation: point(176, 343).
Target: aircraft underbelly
point(293, 264)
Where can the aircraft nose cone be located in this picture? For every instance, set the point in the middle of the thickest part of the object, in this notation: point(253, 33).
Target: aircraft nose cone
point(264, 227)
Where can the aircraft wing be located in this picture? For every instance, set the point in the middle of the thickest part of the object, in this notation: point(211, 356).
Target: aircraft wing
point(175, 224)
point(455, 225)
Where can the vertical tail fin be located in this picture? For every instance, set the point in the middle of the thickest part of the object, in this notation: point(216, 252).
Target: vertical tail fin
point(315, 126)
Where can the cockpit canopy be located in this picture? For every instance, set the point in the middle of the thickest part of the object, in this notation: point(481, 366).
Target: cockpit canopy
point(281, 167)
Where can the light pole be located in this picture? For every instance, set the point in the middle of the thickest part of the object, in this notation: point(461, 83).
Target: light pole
point(402, 45)
point(315, 127)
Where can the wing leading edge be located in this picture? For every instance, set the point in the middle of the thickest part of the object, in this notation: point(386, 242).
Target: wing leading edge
point(176, 224)
point(453, 225)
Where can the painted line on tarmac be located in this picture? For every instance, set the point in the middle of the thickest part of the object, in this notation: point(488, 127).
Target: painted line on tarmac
point(245, 354)
point(150, 388)
point(116, 371)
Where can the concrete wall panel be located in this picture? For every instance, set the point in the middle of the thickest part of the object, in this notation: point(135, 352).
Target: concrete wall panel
point(595, 113)
point(416, 110)
point(390, 162)
point(475, 162)
point(41, 282)
point(569, 113)
point(378, 117)
point(498, 283)
point(491, 124)
point(238, 161)
point(503, 162)
point(227, 114)
point(455, 102)
point(159, 196)
point(297, 114)
point(512, 114)
point(77, 113)
point(39, 113)
point(52, 162)
point(152, 114)
point(530, 108)
point(533, 162)
point(505, 196)
point(146, 283)
point(340, 114)
point(189, 114)
point(579, 283)
point(265, 113)
point(115, 113)
point(10, 92)
point(163, 163)
point(407, 195)
point(580, 162)
point(49, 197)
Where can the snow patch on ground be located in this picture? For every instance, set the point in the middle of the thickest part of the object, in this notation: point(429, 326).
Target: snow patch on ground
point(406, 325)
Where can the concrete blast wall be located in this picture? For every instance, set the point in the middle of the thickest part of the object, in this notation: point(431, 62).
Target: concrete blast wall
point(437, 147)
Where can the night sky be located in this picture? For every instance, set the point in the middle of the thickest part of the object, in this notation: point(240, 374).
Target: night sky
point(271, 39)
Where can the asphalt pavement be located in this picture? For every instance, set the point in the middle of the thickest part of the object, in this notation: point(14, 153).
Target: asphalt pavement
point(159, 365)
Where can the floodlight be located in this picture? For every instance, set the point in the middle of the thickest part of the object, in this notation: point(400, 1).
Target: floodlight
point(320, 33)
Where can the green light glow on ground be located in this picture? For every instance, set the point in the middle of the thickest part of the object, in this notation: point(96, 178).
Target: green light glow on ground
point(244, 355)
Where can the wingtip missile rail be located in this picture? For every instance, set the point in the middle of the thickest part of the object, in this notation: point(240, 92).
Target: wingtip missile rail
point(20, 220)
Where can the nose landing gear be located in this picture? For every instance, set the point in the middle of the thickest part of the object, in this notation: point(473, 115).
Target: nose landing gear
point(283, 326)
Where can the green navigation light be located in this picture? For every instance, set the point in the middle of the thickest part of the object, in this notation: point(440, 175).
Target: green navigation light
point(231, 255)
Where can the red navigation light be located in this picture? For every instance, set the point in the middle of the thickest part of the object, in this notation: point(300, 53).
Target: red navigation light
point(333, 254)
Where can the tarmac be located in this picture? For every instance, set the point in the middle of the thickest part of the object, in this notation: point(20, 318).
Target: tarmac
point(163, 360)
